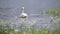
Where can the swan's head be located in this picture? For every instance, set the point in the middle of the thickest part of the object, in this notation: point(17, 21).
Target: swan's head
point(23, 8)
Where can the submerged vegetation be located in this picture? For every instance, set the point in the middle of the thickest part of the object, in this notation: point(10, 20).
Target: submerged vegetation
point(5, 26)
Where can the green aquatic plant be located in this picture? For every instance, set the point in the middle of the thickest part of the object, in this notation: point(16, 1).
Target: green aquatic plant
point(53, 12)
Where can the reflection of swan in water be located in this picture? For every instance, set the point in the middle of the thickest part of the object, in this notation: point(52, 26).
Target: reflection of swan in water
point(26, 22)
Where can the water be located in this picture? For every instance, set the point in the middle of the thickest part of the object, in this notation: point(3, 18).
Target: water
point(31, 6)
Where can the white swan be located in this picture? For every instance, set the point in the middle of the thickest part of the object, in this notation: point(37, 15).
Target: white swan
point(23, 14)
